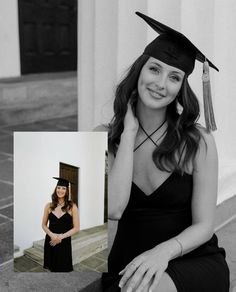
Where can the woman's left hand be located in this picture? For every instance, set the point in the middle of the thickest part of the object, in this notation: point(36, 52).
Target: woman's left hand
point(147, 267)
point(55, 240)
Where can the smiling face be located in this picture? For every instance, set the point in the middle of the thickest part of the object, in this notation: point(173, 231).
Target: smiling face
point(159, 84)
point(61, 191)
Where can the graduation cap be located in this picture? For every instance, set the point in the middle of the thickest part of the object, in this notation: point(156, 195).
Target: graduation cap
point(175, 49)
point(62, 182)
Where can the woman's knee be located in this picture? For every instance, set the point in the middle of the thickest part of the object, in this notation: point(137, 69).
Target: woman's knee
point(165, 284)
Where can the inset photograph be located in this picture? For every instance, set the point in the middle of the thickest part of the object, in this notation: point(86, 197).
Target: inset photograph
point(60, 201)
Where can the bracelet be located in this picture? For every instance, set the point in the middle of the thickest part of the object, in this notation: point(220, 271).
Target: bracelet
point(181, 246)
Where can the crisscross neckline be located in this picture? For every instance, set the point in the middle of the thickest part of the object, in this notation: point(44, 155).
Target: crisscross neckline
point(150, 136)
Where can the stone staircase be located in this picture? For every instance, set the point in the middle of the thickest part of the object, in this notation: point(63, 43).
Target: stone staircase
point(37, 97)
point(86, 243)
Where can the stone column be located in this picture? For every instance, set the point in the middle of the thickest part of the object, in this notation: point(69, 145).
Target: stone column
point(110, 38)
point(97, 51)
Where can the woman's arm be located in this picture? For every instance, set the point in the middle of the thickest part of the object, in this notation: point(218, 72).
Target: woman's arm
point(205, 184)
point(121, 168)
point(120, 176)
point(205, 177)
point(45, 222)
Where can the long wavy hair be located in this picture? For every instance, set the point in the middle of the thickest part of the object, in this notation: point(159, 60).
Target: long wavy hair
point(182, 136)
point(67, 205)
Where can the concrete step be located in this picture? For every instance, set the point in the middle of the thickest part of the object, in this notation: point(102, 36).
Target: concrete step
point(35, 255)
point(38, 97)
point(84, 244)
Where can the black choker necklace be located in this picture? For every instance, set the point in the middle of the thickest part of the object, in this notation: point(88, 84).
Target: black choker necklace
point(150, 136)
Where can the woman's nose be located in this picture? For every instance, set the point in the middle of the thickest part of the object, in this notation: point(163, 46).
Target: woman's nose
point(161, 82)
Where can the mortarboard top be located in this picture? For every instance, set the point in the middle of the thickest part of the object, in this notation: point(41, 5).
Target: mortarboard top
point(62, 182)
point(173, 48)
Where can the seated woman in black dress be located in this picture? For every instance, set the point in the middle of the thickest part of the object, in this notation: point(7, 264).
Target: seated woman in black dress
point(63, 218)
point(163, 173)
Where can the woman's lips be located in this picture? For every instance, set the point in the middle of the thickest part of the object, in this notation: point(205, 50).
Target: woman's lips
point(156, 94)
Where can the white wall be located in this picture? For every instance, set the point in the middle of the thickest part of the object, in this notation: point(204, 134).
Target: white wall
point(214, 34)
point(129, 47)
point(225, 89)
point(36, 161)
point(225, 85)
point(9, 39)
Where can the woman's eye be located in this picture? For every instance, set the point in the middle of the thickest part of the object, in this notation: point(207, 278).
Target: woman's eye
point(154, 69)
point(175, 78)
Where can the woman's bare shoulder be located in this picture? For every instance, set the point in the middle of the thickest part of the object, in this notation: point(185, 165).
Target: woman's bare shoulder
point(101, 128)
point(48, 207)
point(207, 150)
point(73, 209)
point(207, 138)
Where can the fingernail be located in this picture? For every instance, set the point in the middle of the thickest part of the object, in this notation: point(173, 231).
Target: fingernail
point(120, 284)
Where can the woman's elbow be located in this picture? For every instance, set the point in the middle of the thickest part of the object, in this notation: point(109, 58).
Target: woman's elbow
point(207, 231)
point(114, 215)
point(209, 227)
point(116, 210)
point(76, 228)
point(210, 233)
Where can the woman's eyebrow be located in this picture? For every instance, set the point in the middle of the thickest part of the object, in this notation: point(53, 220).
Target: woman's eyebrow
point(180, 73)
point(155, 63)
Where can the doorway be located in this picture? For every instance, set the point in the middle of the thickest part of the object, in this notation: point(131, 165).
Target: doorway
point(48, 35)
point(71, 173)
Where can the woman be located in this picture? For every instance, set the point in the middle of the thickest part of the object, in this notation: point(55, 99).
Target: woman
point(163, 177)
point(63, 218)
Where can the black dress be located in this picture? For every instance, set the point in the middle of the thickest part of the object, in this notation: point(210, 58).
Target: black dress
point(150, 220)
point(58, 258)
